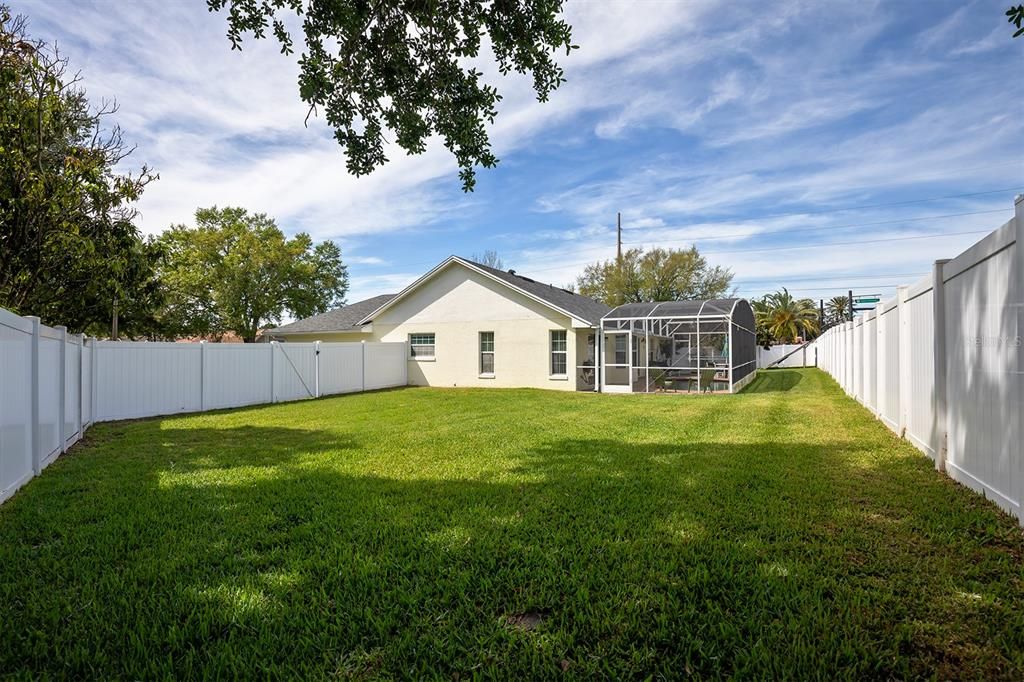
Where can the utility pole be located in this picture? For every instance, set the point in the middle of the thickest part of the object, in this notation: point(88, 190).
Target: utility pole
point(113, 324)
point(821, 315)
point(850, 296)
point(618, 248)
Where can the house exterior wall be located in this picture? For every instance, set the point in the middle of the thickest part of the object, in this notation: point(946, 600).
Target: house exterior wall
point(456, 305)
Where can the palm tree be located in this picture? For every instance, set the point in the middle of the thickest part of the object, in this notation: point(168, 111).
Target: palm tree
point(785, 318)
point(838, 309)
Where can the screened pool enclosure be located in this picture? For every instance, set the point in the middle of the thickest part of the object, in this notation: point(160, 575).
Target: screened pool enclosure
point(675, 346)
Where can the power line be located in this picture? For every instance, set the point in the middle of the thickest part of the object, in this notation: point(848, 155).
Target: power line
point(814, 229)
point(832, 278)
point(853, 208)
point(863, 241)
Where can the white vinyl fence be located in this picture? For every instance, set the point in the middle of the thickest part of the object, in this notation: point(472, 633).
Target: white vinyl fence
point(54, 385)
point(791, 354)
point(942, 364)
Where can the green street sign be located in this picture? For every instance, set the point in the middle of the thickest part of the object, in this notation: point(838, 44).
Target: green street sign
point(866, 299)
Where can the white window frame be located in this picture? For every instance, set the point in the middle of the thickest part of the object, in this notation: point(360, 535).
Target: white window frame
point(482, 353)
point(552, 353)
point(413, 346)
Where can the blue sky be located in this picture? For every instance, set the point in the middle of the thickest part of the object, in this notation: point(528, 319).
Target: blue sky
point(748, 128)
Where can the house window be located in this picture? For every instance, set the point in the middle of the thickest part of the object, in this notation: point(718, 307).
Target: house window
point(421, 346)
point(487, 353)
point(559, 352)
point(620, 349)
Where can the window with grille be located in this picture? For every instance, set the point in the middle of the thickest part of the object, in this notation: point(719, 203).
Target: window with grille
point(559, 352)
point(487, 353)
point(421, 346)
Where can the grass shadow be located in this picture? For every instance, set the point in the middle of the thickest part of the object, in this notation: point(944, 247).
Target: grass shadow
point(773, 381)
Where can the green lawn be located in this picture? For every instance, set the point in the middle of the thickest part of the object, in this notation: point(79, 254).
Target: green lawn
point(510, 533)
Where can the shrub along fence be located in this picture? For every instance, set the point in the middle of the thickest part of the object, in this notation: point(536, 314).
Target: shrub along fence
point(54, 385)
point(942, 364)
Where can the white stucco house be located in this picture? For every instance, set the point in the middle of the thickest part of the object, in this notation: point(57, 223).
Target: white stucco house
point(468, 324)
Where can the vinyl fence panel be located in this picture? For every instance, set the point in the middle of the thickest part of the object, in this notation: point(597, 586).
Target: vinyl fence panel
point(795, 354)
point(147, 379)
point(943, 364)
point(341, 367)
point(887, 377)
point(50, 393)
point(72, 389)
point(386, 365)
point(919, 403)
point(982, 341)
point(869, 370)
point(15, 403)
point(235, 375)
point(294, 371)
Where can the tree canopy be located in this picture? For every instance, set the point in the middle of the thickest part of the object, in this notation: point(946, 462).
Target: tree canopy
point(236, 271)
point(406, 67)
point(655, 275)
point(68, 242)
point(782, 318)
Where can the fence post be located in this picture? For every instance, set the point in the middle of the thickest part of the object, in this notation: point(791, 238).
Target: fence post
point(37, 467)
point(939, 362)
point(273, 352)
point(407, 351)
point(1018, 205)
point(316, 369)
point(362, 364)
point(62, 396)
point(202, 375)
point(850, 388)
point(94, 382)
point(904, 357)
point(81, 385)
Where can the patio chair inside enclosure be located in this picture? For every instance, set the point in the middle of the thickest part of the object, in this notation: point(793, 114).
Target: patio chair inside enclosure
point(707, 345)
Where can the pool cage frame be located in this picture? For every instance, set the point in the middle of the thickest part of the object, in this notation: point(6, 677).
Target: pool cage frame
point(677, 345)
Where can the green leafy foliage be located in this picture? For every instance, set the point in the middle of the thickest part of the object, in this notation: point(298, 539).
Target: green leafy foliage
point(783, 533)
point(837, 310)
point(782, 318)
point(655, 275)
point(1015, 15)
point(408, 67)
point(68, 243)
point(236, 271)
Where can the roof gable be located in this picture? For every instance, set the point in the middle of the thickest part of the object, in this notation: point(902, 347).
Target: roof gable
point(565, 302)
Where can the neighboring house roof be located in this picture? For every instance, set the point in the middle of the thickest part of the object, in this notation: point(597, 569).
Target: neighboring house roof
point(566, 302)
point(344, 319)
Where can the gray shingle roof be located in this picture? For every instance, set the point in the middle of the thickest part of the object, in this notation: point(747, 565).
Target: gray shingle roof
point(341, 319)
point(586, 309)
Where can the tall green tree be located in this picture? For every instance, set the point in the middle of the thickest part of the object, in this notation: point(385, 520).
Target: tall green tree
point(68, 242)
point(405, 70)
point(782, 318)
point(237, 271)
point(655, 275)
point(838, 309)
